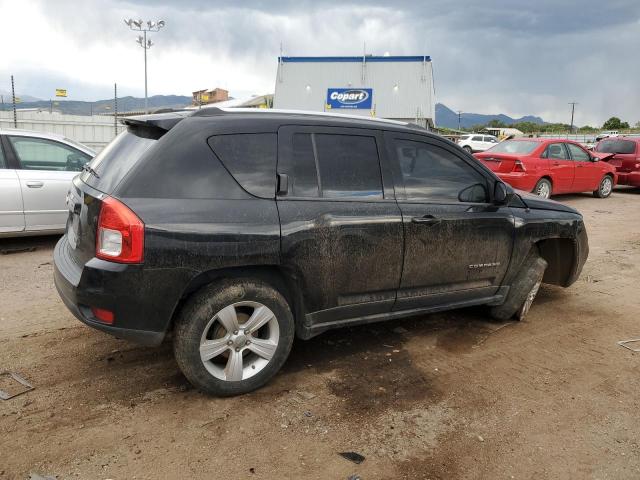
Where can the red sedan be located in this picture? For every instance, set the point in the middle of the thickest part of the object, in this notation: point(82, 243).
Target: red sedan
point(548, 166)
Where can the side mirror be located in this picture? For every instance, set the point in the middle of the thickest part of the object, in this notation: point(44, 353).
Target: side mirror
point(476, 193)
point(501, 193)
point(594, 158)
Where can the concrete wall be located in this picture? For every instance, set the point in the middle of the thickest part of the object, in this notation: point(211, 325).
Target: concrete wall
point(94, 131)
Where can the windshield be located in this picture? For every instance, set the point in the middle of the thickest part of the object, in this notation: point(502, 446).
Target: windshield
point(514, 146)
point(114, 162)
point(616, 146)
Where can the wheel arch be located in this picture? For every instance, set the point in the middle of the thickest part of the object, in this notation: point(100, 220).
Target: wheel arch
point(559, 254)
point(270, 274)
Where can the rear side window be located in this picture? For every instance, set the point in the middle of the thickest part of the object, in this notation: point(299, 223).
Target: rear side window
point(304, 175)
point(349, 166)
point(333, 166)
point(616, 146)
point(117, 158)
point(251, 159)
point(555, 151)
point(433, 173)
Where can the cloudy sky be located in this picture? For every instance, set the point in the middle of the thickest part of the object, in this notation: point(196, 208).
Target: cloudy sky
point(491, 56)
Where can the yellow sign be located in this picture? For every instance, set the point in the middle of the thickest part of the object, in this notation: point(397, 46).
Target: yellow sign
point(18, 100)
point(61, 92)
point(204, 97)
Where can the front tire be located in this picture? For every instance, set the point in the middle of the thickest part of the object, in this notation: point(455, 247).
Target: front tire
point(523, 290)
point(543, 188)
point(605, 188)
point(232, 337)
point(468, 149)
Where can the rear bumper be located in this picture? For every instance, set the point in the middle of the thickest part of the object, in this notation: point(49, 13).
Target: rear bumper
point(518, 180)
point(115, 287)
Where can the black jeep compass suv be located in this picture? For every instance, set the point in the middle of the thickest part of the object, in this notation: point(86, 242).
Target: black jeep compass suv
point(239, 230)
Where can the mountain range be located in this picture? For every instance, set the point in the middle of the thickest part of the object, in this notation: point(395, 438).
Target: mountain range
point(445, 117)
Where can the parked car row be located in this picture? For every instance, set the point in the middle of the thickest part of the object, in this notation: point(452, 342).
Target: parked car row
point(36, 170)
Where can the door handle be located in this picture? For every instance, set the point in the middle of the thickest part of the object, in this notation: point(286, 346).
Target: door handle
point(35, 184)
point(579, 166)
point(425, 219)
point(556, 163)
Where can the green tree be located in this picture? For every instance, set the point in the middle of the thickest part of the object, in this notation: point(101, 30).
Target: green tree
point(496, 124)
point(614, 123)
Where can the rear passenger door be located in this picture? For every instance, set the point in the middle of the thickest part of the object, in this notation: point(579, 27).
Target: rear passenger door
point(341, 226)
point(561, 167)
point(457, 243)
point(11, 210)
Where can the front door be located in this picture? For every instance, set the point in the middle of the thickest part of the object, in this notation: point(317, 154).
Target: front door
point(561, 166)
point(457, 244)
point(340, 224)
point(46, 170)
point(11, 210)
point(587, 175)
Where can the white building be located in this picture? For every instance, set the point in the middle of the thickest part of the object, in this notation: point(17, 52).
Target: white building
point(395, 87)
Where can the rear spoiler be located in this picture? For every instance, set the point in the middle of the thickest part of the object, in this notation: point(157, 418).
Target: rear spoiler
point(157, 121)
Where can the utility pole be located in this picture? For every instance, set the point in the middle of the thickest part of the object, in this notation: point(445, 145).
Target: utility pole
point(573, 106)
point(13, 96)
point(137, 25)
point(459, 117)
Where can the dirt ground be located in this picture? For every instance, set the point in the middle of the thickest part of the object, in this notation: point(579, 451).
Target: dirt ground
point(445, 396)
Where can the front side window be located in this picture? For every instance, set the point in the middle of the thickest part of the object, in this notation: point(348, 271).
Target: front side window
point(577, 153)
point(41, 154)
point(433, 173)
point(555, 151)
point(476, 139)
point(490, 139)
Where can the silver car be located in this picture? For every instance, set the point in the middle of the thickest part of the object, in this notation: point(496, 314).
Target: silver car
point(36, 170)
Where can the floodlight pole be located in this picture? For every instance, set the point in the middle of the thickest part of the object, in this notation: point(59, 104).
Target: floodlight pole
point(137, 25)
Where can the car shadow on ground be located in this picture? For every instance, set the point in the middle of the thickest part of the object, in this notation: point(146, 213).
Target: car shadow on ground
point(27, 244)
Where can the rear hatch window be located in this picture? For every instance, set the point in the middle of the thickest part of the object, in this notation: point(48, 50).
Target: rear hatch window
point(110, 166)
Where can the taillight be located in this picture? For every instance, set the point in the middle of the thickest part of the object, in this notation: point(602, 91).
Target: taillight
point(105, 316)
point(518, 166)
point(120, 234)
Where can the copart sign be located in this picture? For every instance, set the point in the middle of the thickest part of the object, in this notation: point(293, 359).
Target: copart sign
point(361, 98)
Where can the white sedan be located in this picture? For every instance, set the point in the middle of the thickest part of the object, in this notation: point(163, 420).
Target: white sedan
point(36, 170)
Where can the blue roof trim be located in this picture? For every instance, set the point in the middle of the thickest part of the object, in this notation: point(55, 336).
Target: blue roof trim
point(372, 58)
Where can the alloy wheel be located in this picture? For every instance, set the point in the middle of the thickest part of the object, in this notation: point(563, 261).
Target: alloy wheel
point(239, 341)
point(606, 186)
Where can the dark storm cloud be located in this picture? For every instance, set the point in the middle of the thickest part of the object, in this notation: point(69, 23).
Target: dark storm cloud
point(516, 57)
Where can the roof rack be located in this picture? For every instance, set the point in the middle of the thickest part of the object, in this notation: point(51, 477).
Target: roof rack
point(261, 111)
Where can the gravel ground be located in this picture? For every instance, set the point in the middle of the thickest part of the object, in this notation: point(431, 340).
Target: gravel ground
point(444, 396)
